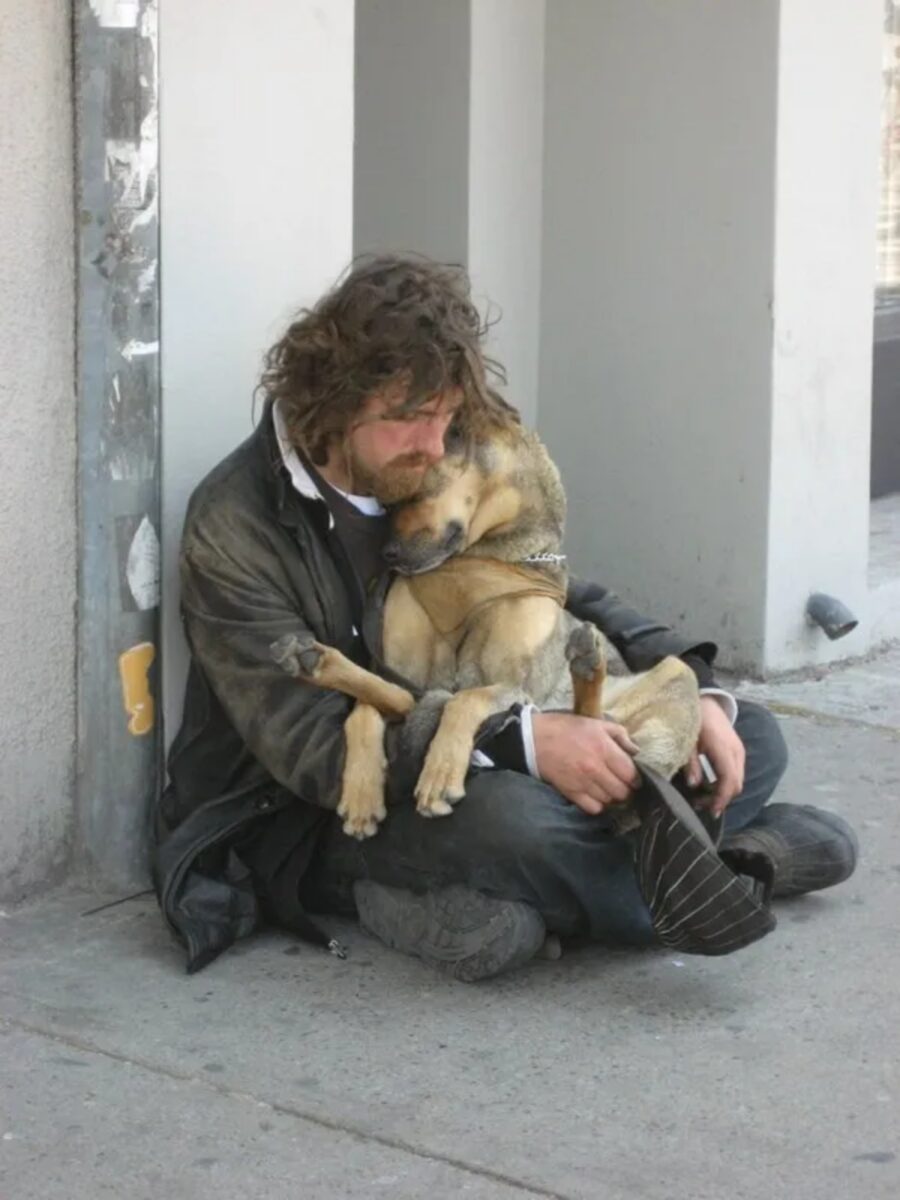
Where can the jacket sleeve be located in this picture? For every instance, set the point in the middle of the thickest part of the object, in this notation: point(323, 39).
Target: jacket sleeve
point(641, 642)
point(233, 609)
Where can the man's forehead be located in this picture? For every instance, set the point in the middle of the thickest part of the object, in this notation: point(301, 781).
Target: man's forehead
point(395, 397)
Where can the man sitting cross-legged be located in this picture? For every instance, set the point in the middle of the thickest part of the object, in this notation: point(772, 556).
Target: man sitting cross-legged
point(284, 537)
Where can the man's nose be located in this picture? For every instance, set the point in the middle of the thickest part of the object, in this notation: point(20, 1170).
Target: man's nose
point(430, 440)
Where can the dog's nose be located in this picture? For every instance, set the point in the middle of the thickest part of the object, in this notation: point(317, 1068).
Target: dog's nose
point(391, 554)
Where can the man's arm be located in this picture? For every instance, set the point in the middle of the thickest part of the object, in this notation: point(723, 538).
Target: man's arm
point(233, 611)
point(642, 642)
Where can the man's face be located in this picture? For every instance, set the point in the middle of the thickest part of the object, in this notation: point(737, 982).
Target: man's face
point(388, 452)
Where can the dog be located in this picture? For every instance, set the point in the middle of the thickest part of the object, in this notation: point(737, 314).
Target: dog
point(475, 616)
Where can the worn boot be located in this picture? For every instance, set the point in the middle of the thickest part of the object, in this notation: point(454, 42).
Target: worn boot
point(467, 935)
point(808, 848)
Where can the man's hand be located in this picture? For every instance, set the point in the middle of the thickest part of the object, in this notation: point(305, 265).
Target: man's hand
point(586, 760)
point(726, 754)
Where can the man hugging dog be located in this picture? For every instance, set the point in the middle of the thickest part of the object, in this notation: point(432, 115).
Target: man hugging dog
point(367, 398)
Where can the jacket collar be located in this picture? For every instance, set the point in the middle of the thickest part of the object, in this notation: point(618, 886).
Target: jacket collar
point(290, 472)
point(292, 503)
point(300, 478)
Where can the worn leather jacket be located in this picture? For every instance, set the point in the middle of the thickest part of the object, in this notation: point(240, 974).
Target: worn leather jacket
point(259, 560)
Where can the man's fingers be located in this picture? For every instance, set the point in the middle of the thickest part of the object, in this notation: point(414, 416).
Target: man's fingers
point(620, 764)
point(693, 772)
point(609, 786)
point(619, 735)
point(729, 785)
point(587, 804)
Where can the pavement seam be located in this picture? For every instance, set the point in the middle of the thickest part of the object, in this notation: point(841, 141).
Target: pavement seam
point(288, 1110)
point(785, 709)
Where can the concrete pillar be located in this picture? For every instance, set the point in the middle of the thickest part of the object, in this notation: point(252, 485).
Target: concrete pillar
point(826, 192)
point(449, 133)
point(708, 265)
point(257, 160)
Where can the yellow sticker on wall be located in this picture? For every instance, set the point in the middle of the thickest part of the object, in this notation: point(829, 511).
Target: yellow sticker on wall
point(133, 667)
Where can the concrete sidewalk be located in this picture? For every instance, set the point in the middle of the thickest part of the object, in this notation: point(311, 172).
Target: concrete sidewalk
point(281, 1072)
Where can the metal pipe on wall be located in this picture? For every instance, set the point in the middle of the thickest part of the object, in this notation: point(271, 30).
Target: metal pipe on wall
point(119, 739)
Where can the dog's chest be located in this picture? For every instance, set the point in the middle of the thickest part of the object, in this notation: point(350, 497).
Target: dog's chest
point(475, 622)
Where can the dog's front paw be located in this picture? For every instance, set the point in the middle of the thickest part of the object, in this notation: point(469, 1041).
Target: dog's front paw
point(442, 782)
point(298, 653)
point(362, 808)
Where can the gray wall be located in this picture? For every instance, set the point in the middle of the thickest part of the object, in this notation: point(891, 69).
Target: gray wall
point(448, 154)
point(709, 274)
point(37, 449)
point(410, 185)
point(886, 404)
point(506, 127)
point(657, 267)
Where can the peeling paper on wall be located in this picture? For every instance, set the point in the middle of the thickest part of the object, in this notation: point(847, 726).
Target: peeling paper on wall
point(116, 14)
point(136, 349)
point(129, 167)
point(142, 568)
point(137, 698)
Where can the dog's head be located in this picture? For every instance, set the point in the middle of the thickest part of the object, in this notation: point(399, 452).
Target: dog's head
point(469, 499)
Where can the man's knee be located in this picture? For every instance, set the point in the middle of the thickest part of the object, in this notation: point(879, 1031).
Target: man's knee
point(760, 731)
point(515, 817)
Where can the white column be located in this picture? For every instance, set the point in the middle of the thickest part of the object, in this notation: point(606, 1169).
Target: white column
point(826, 177)
point(257, 177)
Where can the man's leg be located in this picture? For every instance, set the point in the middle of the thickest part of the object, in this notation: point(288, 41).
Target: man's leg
point(511, 838)
point(808, 848)
point(515, 839)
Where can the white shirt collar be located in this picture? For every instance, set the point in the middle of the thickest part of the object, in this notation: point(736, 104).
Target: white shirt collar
point(302, 480)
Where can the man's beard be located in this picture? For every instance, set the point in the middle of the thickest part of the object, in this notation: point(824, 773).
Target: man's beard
point(398, 480)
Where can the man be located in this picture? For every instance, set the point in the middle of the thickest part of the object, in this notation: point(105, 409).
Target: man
point(284, 537)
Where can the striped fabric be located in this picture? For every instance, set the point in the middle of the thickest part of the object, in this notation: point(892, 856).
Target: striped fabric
point(698, 903)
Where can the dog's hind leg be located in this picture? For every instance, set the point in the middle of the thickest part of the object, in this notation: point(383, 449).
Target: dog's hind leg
point(660, 708)
point(586, 653)
point(365, 766)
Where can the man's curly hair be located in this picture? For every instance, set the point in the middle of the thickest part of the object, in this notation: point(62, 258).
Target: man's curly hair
point(390, 319)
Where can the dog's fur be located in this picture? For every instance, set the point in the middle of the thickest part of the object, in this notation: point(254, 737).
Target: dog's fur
point(468, 615)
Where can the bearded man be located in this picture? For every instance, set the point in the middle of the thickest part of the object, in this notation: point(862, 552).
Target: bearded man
point(284, 537)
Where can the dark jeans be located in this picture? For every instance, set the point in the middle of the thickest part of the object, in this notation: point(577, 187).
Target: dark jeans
point(517, 839)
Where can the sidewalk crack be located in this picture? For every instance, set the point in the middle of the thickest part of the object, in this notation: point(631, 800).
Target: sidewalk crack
point(289, 1110)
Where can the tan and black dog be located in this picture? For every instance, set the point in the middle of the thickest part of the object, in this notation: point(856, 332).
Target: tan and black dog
point(477, 611)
